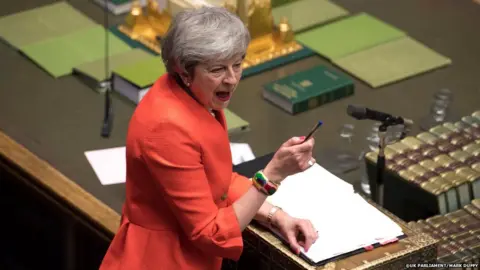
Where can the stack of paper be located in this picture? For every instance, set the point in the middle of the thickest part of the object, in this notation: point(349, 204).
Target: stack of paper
point(308, 13)
point(344, 220)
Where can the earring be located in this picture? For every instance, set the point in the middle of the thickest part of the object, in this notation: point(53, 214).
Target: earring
point(187, 84)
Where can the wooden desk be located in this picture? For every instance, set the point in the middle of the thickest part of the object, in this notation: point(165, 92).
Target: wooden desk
point(59, 119)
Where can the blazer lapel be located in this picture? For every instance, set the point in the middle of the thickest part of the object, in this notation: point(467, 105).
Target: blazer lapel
point(220, 116)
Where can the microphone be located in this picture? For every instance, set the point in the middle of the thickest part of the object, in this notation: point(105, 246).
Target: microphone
point(361, 113)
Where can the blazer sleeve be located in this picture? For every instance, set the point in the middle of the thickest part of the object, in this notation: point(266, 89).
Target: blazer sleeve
point(174, 162)
point(239, 186)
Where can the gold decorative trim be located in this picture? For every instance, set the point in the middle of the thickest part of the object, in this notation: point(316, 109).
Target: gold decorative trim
point(418, 247)
point(420, 241)
point(53, 180)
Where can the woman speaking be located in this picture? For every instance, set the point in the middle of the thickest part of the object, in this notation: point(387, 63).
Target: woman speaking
point(185, 208)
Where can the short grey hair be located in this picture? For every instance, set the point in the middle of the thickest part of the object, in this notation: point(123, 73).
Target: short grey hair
point(203, 35)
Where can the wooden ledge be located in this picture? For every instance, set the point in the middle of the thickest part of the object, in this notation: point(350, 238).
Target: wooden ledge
point(54, 181)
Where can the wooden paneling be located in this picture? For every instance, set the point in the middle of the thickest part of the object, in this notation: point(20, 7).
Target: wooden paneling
point(40, 232)
point(47, 178)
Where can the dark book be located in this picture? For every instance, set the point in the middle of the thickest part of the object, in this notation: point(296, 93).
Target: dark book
point(424, 227)
point(308, 89)
point(432, 172)
point(420, 168)
point(442, 196)
point(458, 233)
point(472, 210)
point(471, 244)
point(456, 244)
point(476, 203)
point(118, 6)
point(458, 215)
point(451, 252)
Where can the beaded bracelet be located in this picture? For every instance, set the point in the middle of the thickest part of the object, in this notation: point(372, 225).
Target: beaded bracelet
point(261, 182)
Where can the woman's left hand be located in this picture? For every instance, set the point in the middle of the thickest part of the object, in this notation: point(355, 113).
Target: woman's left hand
point(299, 233)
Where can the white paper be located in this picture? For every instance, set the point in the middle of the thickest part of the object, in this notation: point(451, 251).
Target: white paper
point(344, 220)
point(241, 152)
point(109, 164)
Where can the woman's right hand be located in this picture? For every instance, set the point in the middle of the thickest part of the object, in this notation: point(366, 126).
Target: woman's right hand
point(292, 157)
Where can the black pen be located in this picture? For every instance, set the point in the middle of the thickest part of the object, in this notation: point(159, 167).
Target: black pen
point(314, 129)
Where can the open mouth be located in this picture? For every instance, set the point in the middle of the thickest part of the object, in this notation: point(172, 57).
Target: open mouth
point(223, 95)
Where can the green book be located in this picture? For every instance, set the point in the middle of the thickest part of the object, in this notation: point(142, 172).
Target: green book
point(31, 26)
point(392, 61)
point(93, 73)
point(133, 81)
point(348, 36)
point(59, 55)
point(308, 89)
point(308, 13)
point(235, 124)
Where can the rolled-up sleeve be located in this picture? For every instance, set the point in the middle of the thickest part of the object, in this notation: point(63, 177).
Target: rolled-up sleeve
point(239, 186)
point(174, 161)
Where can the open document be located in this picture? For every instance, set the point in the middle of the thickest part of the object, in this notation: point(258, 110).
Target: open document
point(346, 223)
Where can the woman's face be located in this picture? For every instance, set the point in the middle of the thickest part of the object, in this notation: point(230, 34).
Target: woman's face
point(214, 83)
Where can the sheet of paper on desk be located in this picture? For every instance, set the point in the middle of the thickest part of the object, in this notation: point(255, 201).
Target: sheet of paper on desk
point(344, 220)
point(241, 152)
point(110, 166)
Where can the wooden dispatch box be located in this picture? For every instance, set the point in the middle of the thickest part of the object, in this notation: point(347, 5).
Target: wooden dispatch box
point(263, 250)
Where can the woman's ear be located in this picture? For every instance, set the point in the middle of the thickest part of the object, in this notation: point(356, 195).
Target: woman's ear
point(186, 78)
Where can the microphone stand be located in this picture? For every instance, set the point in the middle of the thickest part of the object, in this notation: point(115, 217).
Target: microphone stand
point(108, 110)
point(107, 85)
point(376, 184)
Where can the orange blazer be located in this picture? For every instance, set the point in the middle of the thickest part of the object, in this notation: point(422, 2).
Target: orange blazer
point(180, 187)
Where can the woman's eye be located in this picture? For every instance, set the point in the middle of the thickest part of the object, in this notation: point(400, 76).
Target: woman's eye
point(216, 70)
